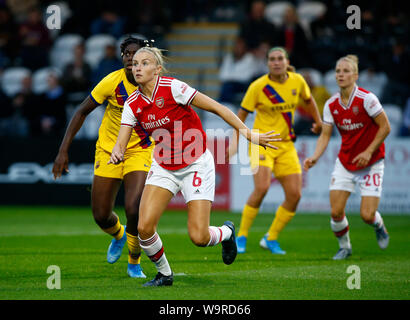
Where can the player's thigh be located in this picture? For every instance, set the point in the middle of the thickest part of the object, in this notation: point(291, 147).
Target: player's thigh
point(368, 207)
point(103, 193)
point(134, 183)
point(262, 179)
point(338, 200)
point(154, 201)
point(199, 212)
point(292, 186)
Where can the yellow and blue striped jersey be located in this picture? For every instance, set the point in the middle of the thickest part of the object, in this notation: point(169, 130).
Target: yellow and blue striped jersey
point(275, 103)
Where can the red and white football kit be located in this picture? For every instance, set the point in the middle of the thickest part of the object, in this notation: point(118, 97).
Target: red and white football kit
point(181, 160)
point(357, 129)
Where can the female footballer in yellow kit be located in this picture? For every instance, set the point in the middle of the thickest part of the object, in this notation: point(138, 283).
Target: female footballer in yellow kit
point(274, 97)
point(114, 88)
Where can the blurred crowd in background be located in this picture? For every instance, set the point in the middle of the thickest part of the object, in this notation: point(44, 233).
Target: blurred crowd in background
point(40, 104)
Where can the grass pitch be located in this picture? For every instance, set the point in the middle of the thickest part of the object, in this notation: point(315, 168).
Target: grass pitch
point(33, 238)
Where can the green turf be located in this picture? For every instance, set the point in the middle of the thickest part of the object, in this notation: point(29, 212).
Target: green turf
point(33, 238)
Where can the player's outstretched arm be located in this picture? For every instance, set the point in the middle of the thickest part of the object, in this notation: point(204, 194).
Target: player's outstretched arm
point(120, 147)
point(233, 143)
point(321, 146)
point(76, 122)
point(208, 104)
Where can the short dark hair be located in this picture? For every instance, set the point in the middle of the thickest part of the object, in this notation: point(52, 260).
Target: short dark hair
point(130, 40)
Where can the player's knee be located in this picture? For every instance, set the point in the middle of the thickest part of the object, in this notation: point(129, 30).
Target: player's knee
point(145, 230)
point(295, 195)
point(367, 216)
point(200, 239)
point(261, 190)
point(103, 218)
point(337, 214)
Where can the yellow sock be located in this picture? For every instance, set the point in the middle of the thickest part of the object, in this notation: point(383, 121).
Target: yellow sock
point(282, 218)
point(117, 231)
point(134, 249)
point(248, 215)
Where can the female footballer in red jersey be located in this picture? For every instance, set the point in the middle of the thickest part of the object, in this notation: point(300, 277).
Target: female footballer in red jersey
point(364, 126)
point(161, 108)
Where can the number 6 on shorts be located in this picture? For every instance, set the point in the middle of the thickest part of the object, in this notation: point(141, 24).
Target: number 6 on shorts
point(197, 181)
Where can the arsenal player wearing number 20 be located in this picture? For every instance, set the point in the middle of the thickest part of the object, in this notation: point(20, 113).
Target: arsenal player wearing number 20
point(161, 108)
point(363, 126)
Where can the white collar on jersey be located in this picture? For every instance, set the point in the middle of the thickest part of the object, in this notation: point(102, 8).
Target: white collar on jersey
point(352, 94)
point(154, 92)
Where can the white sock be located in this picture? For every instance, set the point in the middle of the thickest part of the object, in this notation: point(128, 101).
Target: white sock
point(378, 221)
point(218, 234)
point(154, 250)
point(341, 231)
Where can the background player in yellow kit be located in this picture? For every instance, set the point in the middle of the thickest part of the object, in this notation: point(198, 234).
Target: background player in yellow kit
point(274, 97)
point(115, 89)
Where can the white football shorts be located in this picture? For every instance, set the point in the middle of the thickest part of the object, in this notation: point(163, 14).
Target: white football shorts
point(196, 181)
point(369, 179)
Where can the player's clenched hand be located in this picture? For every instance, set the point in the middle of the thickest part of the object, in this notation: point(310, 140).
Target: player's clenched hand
point(116, 156)
point(60, 164)
point(316, 127)
point(309, 163)
point(264, 139)
point(362, 159)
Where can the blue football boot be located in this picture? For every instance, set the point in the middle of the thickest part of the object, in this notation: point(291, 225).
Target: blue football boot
point(115, 248)
point(241, 244)
point(135, 271)
point(271, 245)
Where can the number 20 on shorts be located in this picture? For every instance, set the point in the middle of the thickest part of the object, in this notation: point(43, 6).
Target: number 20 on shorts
point(375, 178)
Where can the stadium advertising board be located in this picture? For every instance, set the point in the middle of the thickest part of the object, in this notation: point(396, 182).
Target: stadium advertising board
point(315, 192)
point(28, 173)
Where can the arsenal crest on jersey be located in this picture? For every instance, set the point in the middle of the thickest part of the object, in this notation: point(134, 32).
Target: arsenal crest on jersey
point(159, 102)
point(355, 110)
point(294, 92)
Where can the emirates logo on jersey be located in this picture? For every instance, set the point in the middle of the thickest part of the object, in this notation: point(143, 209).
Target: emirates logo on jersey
point(347, 125)
point(155, 124)
point(159, 102)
